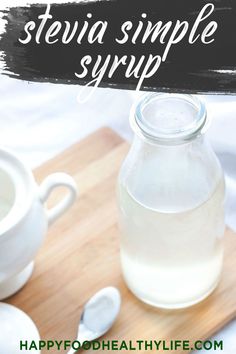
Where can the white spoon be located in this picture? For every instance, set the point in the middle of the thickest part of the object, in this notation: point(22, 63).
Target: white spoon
point(98, 316)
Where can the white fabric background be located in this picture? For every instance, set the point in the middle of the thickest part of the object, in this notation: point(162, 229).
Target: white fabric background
point(40, 120)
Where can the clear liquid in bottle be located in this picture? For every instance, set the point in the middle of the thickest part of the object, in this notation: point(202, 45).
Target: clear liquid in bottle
point(172, 259)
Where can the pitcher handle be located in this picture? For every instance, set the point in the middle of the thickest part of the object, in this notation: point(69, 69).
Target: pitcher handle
point(51, 182)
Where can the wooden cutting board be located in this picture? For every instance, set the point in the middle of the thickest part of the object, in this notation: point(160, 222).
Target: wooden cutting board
point(81, 255)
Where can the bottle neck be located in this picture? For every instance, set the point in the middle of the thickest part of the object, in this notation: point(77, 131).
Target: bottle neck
point(141, 142)
point(169, 119)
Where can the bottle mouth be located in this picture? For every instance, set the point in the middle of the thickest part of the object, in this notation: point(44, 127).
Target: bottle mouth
point(169, 118)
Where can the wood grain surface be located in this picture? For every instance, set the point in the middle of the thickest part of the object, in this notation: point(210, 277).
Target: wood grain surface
point(81, 255)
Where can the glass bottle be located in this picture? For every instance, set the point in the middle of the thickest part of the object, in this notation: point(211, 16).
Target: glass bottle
point(171, 204)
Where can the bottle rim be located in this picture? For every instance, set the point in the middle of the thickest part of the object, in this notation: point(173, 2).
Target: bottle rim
point(166, 135)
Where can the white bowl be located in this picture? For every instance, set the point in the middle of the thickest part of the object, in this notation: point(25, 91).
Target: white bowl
point(16, 326)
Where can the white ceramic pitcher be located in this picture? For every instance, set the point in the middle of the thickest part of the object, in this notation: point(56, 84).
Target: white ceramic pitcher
point(24, 220)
